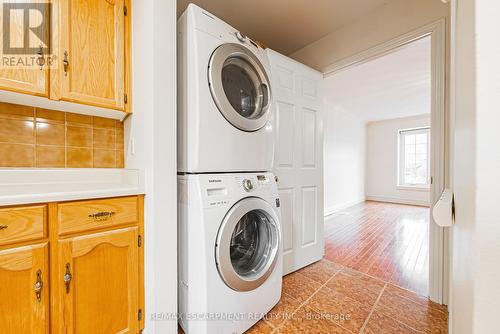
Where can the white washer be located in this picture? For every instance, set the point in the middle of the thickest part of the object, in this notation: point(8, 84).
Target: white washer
point(230, 251)
point(224, 98)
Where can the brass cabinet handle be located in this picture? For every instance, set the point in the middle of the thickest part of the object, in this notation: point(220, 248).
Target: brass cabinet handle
point(66, 62)
point(40, 60)
point(67, 277)
point(38, 286)
point(3, 227)
point(102, 215)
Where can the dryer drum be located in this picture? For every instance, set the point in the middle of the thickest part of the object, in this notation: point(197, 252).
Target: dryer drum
point(239, 86)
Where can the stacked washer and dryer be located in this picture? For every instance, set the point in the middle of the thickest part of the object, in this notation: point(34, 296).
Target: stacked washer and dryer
point(230, 250)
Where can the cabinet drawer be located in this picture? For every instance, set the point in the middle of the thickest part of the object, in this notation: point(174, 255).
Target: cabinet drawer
point(96, 214)
point(22, 224)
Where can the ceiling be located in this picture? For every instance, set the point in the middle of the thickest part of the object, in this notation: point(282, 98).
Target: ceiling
point(285, 25)
point(392, 86)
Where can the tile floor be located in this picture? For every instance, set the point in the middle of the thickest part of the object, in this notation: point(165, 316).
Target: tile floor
point(328, 298)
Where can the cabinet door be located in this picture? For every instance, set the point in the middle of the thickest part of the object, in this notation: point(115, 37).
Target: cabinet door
point(22, 309)
point(92, 52)
point(99, 282)
point(23, 45)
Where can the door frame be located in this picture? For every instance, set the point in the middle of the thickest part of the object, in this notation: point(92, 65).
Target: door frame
point(438, 240)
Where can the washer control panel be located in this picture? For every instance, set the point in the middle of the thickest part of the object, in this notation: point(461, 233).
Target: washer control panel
point(226, 189)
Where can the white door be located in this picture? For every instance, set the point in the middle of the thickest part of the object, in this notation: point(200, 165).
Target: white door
point(298, 159)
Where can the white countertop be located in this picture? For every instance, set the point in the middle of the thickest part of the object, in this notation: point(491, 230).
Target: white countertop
point(25, 186)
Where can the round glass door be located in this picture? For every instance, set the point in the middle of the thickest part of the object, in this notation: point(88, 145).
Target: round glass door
point(247, 244)
point(239, 87)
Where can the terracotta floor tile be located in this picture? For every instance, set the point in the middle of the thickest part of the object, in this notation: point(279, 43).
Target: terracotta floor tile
point(397, 291)
point(306, 320)
point(283, 310)
point(362, 289)
point(321, 271)
point(299, 286)
point(418, 316)
point(261, 327)
point(343, 310)
point(381, 323)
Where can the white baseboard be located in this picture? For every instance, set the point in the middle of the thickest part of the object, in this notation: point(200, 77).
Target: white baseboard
point(339, 207)
point(397, 200)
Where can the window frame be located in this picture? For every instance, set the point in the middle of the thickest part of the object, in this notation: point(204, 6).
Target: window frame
point(401, 185)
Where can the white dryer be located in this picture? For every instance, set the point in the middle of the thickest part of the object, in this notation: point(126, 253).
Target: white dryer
point(230, 251)
point(224, 98)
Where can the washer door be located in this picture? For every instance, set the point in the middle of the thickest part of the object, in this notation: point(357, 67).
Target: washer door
point(239, 86)
point(247, 244)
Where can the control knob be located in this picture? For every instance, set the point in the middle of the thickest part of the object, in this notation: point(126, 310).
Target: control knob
point(247, 185)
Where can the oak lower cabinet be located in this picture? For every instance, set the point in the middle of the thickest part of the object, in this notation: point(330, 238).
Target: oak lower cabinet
point(100, 275)
point(85, 279)
point(24, 277)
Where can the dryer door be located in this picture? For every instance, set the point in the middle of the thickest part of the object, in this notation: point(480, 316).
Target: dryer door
point(240, 86)
point(247, 244)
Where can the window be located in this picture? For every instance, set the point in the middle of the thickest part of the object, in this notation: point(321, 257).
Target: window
point(414, 159)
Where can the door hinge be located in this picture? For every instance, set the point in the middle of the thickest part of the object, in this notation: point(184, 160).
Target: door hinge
point(139, 315)
point(139, 241)
point(125, 10)
point(432, 180)
point(125, 98)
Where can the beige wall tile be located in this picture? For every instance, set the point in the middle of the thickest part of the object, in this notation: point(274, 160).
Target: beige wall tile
point(50, 156)
point(16, 111)
point(78, 136)
point(104, 158)
point(104, 138)
point(16, 155)
point(101, 122)
point(50, 134)
point(16, 131)
point(38, 137)
point(120, 159)
point(78, 157)
point(46, 115)
point(120, 139)
point(78, 120)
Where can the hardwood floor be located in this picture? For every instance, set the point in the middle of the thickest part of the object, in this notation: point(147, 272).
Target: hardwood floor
point(387, 241)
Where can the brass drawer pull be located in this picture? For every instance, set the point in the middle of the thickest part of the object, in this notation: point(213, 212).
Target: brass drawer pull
point(65, 63)
point(3, 227)
point(102, 216)
point(38, 286)
point(67, 277)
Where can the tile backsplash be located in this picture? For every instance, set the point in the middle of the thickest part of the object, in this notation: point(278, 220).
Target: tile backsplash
point(35, 137)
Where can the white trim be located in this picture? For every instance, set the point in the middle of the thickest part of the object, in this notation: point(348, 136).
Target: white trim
point(46, 103)
point(413, 188)
point(438, 274)
point(336, 208)
point(397, 200)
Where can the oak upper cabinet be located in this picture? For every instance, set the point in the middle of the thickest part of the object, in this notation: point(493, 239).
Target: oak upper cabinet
point(24, 277)
point(92, 53)
point(98, 282)
point(23, 48)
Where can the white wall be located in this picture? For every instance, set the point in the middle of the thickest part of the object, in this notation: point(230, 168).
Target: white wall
point(344, 159)
point(382, 161)
point(475, 268)
point(152, 128)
